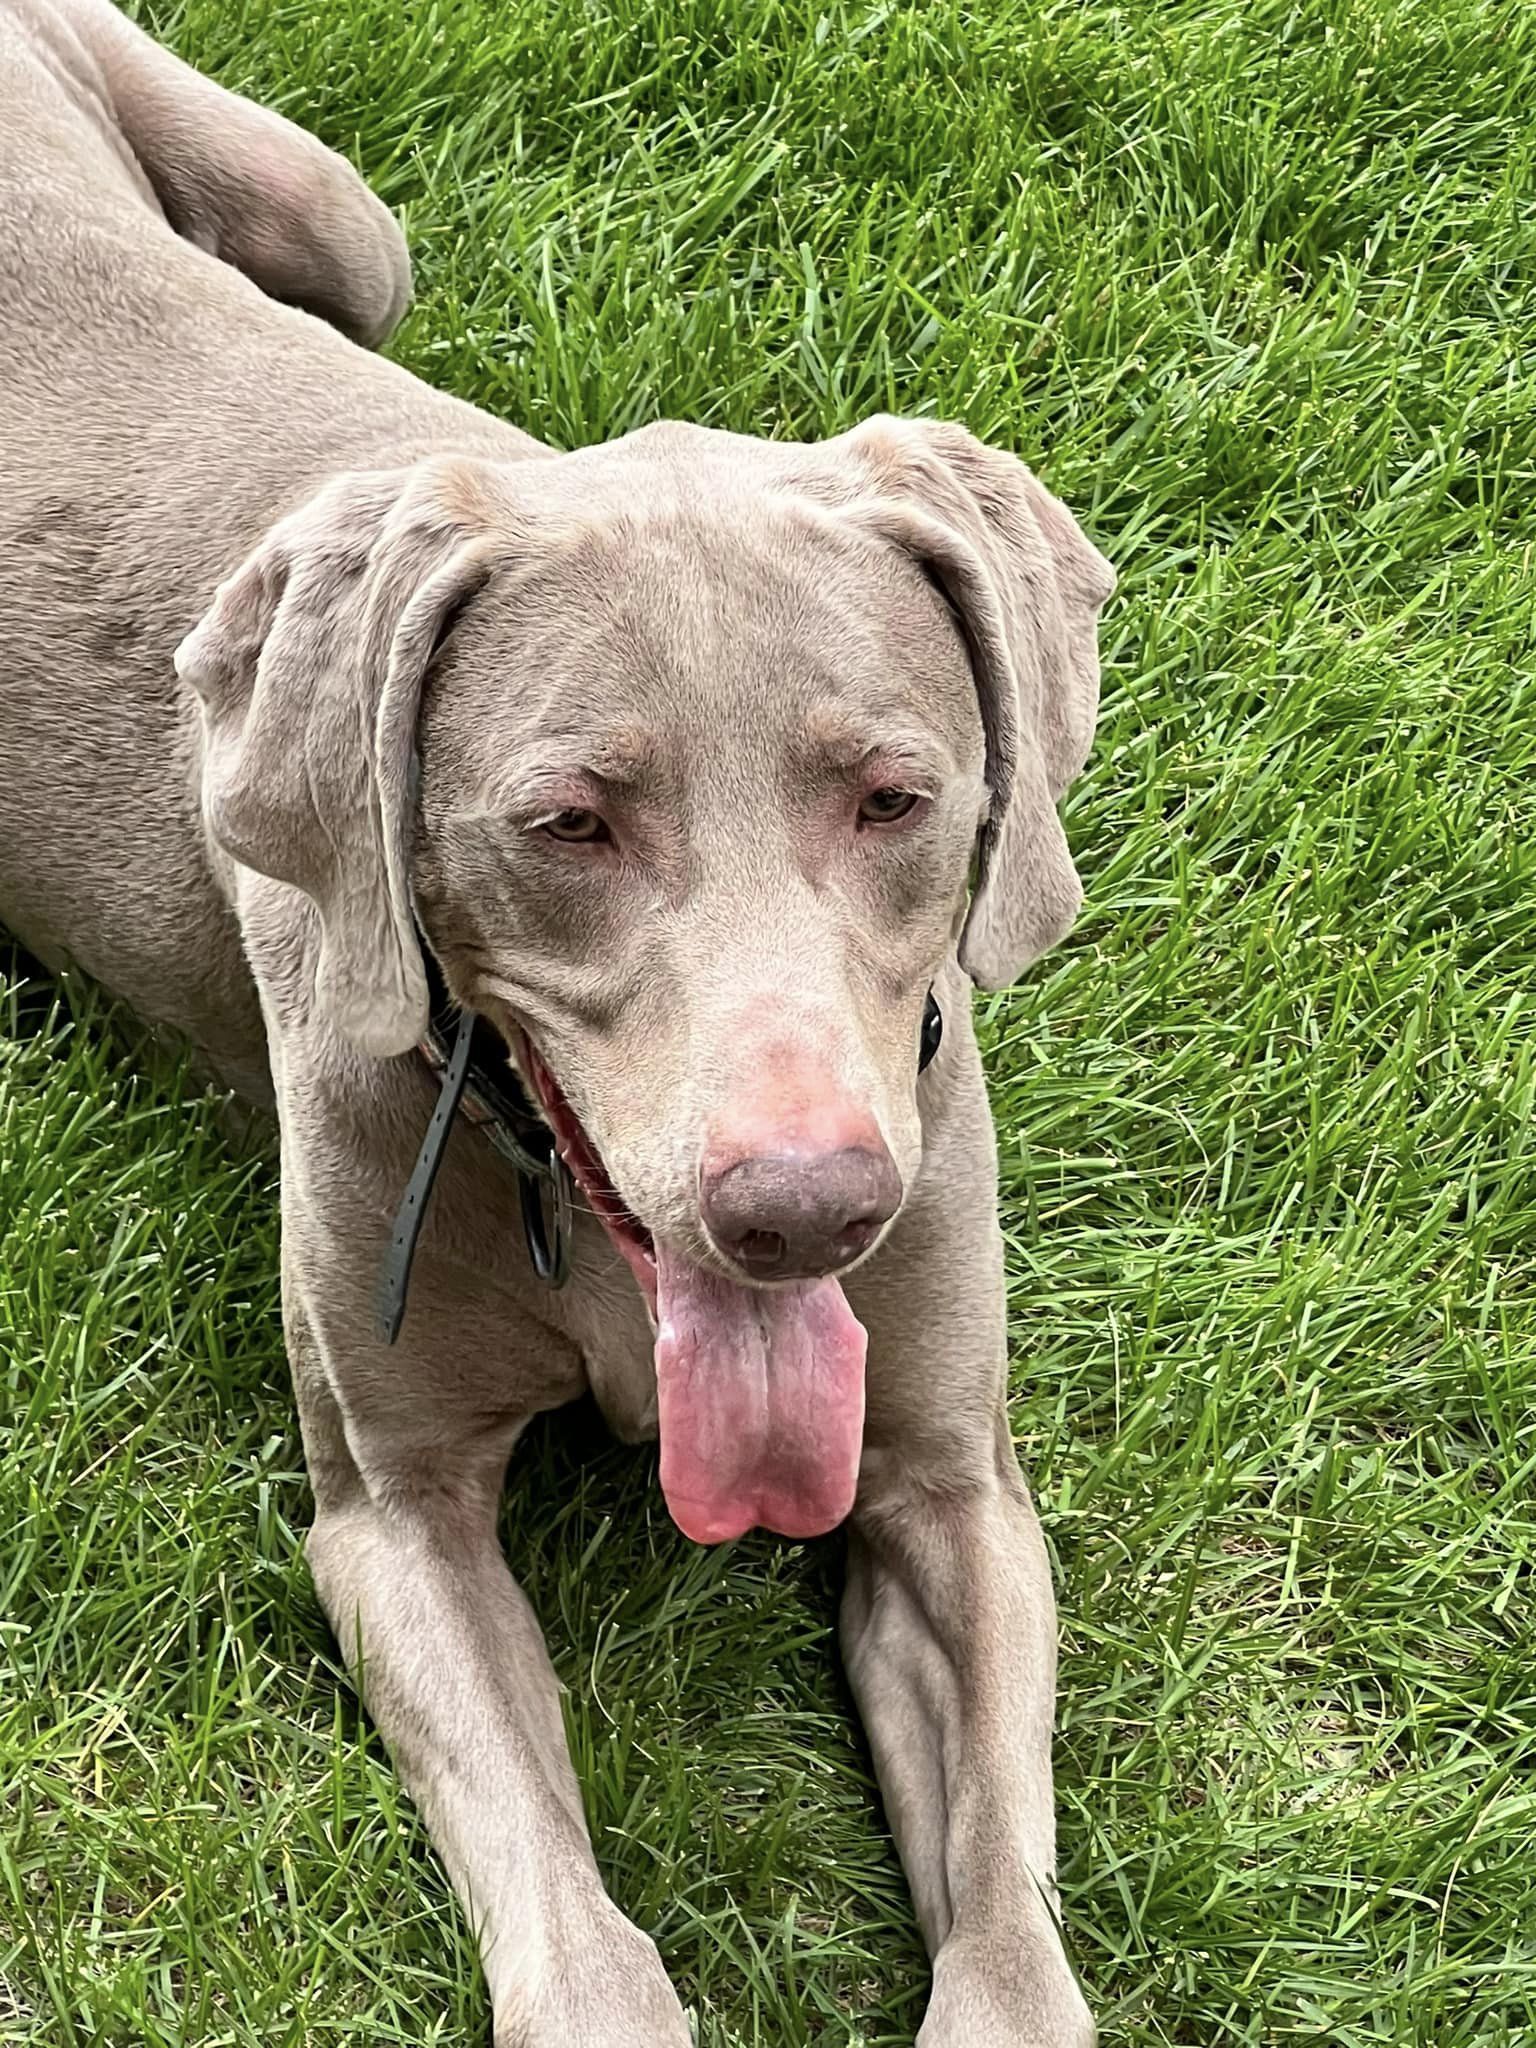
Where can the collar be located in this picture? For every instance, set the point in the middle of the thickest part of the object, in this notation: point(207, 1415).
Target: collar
point(476, 1080)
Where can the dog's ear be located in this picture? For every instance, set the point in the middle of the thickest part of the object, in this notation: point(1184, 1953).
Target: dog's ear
point(1026, 587)
point(309, 668)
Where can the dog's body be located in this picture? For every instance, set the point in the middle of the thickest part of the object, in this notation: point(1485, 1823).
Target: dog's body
point(118, 336)
point(225, 852)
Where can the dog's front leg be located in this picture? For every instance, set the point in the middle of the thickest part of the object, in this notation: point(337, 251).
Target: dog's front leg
point(453, 1668)
point(949, 1635)
point(949, 1622)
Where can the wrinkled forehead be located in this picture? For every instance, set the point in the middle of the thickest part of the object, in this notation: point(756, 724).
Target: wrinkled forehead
point(703, 633)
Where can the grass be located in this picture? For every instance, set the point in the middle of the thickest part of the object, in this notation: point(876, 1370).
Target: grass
point(1254, 285)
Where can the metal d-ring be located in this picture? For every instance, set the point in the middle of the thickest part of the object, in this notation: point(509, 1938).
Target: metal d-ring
point(549, 1245)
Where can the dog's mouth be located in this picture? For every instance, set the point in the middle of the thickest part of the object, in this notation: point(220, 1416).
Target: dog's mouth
point(760, 1391)
point(628, 1234)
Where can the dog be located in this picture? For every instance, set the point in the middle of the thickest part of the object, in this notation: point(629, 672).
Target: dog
point(672, 793)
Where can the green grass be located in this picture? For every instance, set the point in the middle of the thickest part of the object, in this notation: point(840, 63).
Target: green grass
point(1254, 285)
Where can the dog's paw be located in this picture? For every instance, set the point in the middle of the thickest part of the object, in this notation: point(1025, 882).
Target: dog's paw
point(610, 1992)
point(986, 1995)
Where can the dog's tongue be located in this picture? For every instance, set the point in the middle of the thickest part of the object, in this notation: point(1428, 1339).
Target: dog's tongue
point(760, 1401)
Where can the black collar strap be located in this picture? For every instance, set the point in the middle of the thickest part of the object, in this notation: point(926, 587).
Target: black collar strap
point(467, 1054)
point(475, 1076)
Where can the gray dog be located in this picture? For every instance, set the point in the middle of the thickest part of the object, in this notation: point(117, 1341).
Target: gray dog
point(694, 775)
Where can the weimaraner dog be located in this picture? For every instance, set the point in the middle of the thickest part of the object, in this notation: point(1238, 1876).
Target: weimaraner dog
point(696, 777)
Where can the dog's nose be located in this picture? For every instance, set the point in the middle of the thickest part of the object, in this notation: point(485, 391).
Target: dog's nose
point(796, 1215)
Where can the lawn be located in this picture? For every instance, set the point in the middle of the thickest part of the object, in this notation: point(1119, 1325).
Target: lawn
point(1254, 286)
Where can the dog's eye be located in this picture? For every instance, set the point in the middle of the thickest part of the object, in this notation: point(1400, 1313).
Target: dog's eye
point(885, 806)
point(576, 828)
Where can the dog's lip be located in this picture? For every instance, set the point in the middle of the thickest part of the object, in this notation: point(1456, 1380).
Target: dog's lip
point(629, 1235)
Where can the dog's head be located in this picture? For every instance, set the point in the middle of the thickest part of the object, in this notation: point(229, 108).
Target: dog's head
point(724, 746)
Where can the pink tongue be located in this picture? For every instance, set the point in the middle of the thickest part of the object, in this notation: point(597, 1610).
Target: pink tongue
point(761, 1403)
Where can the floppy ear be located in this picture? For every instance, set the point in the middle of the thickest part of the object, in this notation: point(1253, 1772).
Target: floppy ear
point(1026, 587)
point(309, 668)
